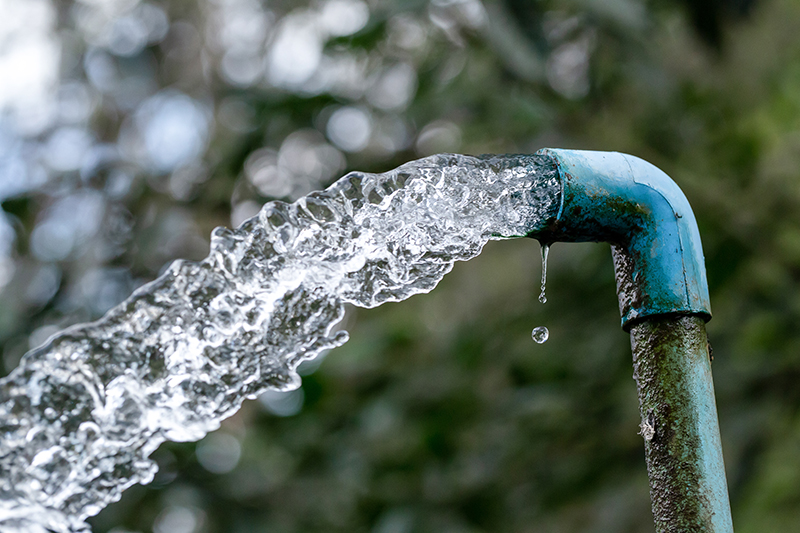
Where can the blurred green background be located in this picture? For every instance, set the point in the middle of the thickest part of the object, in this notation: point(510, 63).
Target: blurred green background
point(130, 128)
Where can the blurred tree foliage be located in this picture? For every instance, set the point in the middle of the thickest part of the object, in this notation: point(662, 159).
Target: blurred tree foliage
point(169, 118)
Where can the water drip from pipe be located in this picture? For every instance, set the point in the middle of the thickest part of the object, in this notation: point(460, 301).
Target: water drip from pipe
point(545, 253)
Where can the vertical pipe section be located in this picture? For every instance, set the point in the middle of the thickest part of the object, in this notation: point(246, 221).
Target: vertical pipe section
point(672, 370)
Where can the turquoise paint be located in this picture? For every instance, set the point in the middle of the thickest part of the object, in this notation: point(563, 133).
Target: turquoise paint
point(623, 200)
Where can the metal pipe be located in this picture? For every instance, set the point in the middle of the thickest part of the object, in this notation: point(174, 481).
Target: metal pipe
point(664, 304)
point(672, 370)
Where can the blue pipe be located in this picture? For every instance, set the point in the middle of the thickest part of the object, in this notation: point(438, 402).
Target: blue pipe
point(626, 201)
point(664, 303)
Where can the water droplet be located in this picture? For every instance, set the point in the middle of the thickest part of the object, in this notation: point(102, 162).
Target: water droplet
point(540, 334)
point(545, 253)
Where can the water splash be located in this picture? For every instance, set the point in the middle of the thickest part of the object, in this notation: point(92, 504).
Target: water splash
point(540, 334)
point(81, 414)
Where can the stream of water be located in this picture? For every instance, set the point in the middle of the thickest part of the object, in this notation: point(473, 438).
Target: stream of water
point(82, 413)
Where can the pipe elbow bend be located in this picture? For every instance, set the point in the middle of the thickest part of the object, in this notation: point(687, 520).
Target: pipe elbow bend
point(633, 205)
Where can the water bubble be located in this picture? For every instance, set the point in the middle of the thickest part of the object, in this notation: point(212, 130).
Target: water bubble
point(540, 334)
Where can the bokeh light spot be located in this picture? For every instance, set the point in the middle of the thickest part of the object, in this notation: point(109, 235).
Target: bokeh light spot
point(296, 52)
point(438, 137)
point(350, 128)
point(179, 519)
point(344, 17)
point(394, 88)
point(219, 452)
point(173, 128)
point(66, 148)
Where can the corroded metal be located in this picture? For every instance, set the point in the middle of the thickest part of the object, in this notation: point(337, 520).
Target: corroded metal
point(672, 369)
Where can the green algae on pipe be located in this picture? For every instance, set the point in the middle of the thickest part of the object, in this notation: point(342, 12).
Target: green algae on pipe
point(672, 369)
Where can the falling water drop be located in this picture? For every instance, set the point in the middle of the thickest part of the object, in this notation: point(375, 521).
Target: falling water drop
point(540, 334)
point(545, 253)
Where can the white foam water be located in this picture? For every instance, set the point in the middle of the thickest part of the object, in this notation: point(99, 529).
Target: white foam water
point(81, 414)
